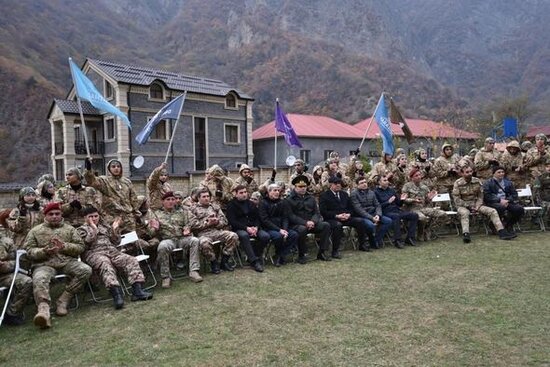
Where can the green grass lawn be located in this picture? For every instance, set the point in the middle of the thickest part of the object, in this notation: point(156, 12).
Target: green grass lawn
point(440, 304)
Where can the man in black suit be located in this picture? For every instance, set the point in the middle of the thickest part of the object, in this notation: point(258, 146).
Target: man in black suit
point(244, 218)
point(336, 209)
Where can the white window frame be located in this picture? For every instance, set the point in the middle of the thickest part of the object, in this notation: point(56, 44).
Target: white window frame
point(106, 88)
point(163, 99)
point(225, 126)
point(236, 107)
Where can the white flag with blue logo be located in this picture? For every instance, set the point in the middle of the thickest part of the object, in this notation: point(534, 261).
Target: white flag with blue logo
point(171, 110)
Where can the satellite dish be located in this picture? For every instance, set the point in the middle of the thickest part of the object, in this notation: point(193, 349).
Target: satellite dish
point(290, 160)
point(138, 161)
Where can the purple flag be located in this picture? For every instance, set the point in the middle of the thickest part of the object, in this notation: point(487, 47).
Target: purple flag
point(283, 126)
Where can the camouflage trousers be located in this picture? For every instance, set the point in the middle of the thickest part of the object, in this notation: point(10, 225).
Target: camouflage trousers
point(107, 262)
point(22, 291)
point(167, 246)
point(228, 239)
point(77, 271)
point(492, 214)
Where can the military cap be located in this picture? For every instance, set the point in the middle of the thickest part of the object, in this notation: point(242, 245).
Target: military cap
point(497, 168)
point(489, 140)
point(26, 191)
point(300, 180)
point(413, 172)
point(541, 136)
point(52, 206)
point(169, 194)
point(299, 161)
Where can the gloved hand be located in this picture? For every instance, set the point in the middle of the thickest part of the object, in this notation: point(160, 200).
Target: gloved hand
point(88, 164)
point(23, 211)
point(76, 204)
point(427, 168)
point(219, 194)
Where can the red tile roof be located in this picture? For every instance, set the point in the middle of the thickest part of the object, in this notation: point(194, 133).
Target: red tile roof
point(534, 130)
point(326, 127)
point(310, 126)
point(423, 128)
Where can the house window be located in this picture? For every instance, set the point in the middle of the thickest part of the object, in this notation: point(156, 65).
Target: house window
point(305, 155)
point(231, 135)
point(327, 154)
point(161, 131)
point(156, 91)
point(109, 129)
point(109, 91)
point(230, 101)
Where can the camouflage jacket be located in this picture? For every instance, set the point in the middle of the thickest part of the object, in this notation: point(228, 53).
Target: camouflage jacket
point(171, 223)
point(413, 192)
point(220, 190)
point(251, 186)
point(85, 195)
point(156, 189)
point(468, 194)
point(541, 188)
point(442, 167)
point(104, 238)
point(21, 225)
point(199, 214)
point(40, 236)
point(534, 160)
point(325, 185)
point(7, 255)
point(119, 197)
point(484, 161)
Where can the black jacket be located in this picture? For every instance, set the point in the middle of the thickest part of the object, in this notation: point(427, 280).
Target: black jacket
point(273, 214)
point(365, 204)
point(330, 206)
point(242, 214)
point(490, 191)
point(302, 209)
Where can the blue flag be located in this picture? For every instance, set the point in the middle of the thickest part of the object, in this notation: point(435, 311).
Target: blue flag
point(283, 126)
point(171, 110)
point(86, 90)
point(383, 121)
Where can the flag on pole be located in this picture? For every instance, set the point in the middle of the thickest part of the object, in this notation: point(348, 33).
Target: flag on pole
point(171, 110)
point(383, 122)
point(397, 118)
point(86, 90)
point(284, 126)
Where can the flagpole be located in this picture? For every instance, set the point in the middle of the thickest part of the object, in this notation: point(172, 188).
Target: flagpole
point(275, 127)
point(370, 123)
point(81, 115)
point(174, 131)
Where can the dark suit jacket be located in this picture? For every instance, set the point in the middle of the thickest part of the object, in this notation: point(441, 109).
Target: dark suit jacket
point(330, 206)
point(242, 214)
point(490, 191)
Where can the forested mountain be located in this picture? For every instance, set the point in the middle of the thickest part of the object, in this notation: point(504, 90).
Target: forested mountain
point(439, 59)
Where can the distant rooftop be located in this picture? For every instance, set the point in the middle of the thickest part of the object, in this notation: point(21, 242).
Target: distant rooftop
point(68, 106)
point(139, 75)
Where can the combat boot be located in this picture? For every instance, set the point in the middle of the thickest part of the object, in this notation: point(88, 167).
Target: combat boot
point(195, 276)
point(214, 267)
point(13, 320)
point(42, 317)
point(138, 294)
point(63, 304)
point(118, 299)
point(225, 265)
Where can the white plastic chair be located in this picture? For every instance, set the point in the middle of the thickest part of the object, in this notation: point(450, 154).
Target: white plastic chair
point(445, 198)
point(534, 212)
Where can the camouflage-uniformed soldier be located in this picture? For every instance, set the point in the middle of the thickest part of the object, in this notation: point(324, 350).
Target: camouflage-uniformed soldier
point(174, 232)
point(446, 169)
point(54, 246)
point(417, 197)
point(486, 159)
point(512, 161)
point(315, 184)
point(25, 216)
point(22, 290)
point(118, 196)
point(525, 146)
point(208, 222)
point(536, 156)
point(75, 196)
point(355, 170)
point(422, 163)
point(299, 169)
point(342, 167)
point(400, 175)
point(541, 189)
point(332, 170)
point(46, 192)
point(105, 258)
point(158, 185)
point(468, 160)
point(386, 167)
point(246, 178)
point(218, 183)
point(468, 198)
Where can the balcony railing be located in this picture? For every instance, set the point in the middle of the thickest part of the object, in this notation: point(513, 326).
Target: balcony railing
point(96, 147)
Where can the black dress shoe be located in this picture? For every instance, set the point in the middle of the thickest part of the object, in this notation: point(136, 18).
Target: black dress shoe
point(323, 257)
point(466, 238)
point(258, 266)
point(365, 248)
point(302, 259)
point(399, 244)
point(409, 241)
point(336, 255)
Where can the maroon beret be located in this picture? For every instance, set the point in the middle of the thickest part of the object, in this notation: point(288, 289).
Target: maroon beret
point(51, 206)
point(169, 194)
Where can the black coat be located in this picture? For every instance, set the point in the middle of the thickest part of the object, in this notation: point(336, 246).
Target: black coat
point(273, 214)
point(330, 206)
point(490, 191)
point(242, 214)
point(302, 209)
